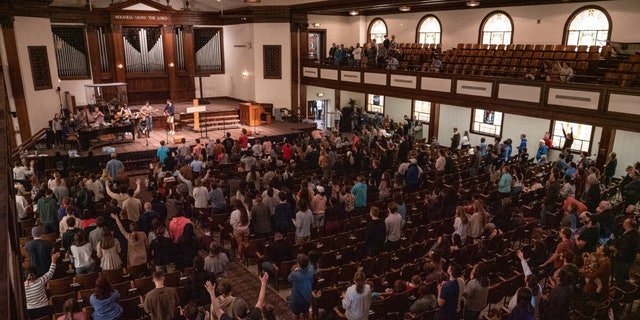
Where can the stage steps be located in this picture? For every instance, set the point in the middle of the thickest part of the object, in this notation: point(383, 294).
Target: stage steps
point(211, 121)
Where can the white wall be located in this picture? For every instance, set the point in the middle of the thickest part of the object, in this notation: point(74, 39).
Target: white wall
point(397, 108)
point(626, 148)
point(360, 98)
point(462, 26)
point(340, 29)
point(41, 104)
point(276, 91)
point(451, 117)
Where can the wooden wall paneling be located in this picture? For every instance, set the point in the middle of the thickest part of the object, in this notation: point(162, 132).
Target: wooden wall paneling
point(119, 70)
point(299, 39)
point(94, 53)
point(15, 77)
point(168, 41)
point(605, 146)
point(190, 61)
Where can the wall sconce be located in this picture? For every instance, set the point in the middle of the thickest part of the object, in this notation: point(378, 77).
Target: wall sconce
point(120, 66)
point(316, 24)
point(320, 94)
point(171, 64)
point(245, 74)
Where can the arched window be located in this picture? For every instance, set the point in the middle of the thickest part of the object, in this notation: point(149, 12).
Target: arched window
point(589, 26)
point(377, 30)
point(497, 28)
point(429, 30)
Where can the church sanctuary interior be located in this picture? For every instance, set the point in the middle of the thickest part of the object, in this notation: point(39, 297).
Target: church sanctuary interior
point(363, 159)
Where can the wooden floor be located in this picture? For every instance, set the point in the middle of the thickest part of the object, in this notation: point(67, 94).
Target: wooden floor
point(276, 130)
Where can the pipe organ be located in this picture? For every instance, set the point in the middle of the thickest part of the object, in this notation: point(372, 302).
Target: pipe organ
point(143, 50)
point(208, 49)
point(70, 52)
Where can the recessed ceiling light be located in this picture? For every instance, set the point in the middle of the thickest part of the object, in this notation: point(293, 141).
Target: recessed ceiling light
point(404, 8)
point(354, 12)
point(473, 3)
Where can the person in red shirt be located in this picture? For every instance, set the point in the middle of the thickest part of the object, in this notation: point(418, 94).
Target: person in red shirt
point(565, 244)
point(286, 151)
point(244, 140)
point(354, 143)
point(547, 140)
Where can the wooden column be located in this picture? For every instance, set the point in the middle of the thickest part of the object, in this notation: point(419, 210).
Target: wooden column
point(94, 53)
point(434, 122)
point(605, 147)
point(299, 49)
point(15, 77)
point(168, 43)
point(189, 60)
point(119, 70)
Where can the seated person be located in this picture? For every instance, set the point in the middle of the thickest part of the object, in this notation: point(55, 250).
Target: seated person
point(97, 116)
point(436, 64)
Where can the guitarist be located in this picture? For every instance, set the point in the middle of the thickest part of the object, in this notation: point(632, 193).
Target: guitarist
point(169, 111)
point(146, 117)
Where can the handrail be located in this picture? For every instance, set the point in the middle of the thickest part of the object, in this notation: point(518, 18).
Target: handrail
point(29, 143)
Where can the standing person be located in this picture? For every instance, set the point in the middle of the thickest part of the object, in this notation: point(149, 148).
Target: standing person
point(239, 220)
point(34, 290)
point(303, 221)
point(108, 250)
point(610, 168)
point(46, 208)
point(114, 166)
point(56, 126)
point(301, 278)
point(523, 309)
point(476, 292)
point(161, 302)
point(359, 191)
point(357, 299)
point(146, 114)
point(357, 54)
point(169, 111)
point(240, 308)
point(627, 248)
point(393, 227)
point(455, 139)
point(568, 139)
point(374, 242)
point(465, 144)
point(448, 294)
point(105, 301)
point(137, 242)
point(81, 254)
point(39, 251)
point(163, 152)
point(283, 214)
point(504, 186)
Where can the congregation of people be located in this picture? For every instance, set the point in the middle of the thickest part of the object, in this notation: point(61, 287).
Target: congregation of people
point(383, 192)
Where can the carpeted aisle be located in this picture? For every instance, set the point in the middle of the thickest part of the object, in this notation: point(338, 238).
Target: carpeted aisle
point(246, 284)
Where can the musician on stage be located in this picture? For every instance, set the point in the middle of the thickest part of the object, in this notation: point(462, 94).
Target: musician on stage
point(169, 110)
point(146, 116)
point(97, 116)
point(82, 118)
point(125, 114)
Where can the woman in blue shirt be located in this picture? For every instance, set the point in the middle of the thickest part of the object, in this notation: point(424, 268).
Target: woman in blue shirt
point(105, 301)
point(301, 278)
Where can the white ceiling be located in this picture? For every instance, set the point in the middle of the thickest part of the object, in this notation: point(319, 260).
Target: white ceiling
point(195, 5)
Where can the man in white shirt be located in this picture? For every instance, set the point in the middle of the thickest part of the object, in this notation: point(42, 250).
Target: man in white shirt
point(392, 63)
point(357, 54)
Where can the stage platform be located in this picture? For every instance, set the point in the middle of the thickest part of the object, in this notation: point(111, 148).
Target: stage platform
point(141, 149)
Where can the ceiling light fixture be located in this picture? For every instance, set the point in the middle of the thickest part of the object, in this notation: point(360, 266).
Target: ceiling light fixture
point(354, 12)
point(473, 3)
point(251, 1)
point(404, 8)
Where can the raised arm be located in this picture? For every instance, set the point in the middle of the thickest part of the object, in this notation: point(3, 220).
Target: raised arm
point(138, 182)
point(263, 288)
point(120, 226)
point(525, 265)
point(215, 305)
point(110, 193)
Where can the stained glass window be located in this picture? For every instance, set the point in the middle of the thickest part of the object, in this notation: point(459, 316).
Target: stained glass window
point(377, 30)
point(422, 110)
point(375, 103)
point(487, 122)
point(589, 27)
point(429, 31)
point(581, 135)
point(497, 29)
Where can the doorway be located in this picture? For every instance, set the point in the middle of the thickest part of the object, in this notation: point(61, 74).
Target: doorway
point(317, 44)
point(317, 111)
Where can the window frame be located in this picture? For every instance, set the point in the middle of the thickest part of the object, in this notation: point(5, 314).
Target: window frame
point(420, 25)
point(371, 25)
point(559, 147)
point(367, 105)
point(489, 16)
point(565, 34)
point(415, 112)
point(482, 133)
